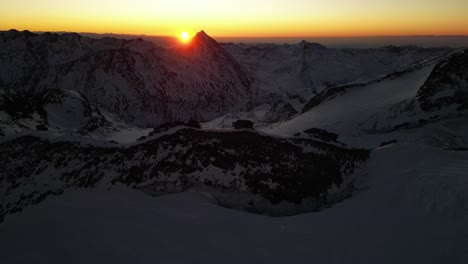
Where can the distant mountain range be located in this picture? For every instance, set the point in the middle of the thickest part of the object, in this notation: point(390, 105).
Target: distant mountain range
point(364, 42)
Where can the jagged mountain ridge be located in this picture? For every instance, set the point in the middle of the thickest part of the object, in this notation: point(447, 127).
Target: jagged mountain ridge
point(145, 84)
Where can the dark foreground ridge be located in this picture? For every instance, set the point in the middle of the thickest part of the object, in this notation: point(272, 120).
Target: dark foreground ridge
point(241, 169)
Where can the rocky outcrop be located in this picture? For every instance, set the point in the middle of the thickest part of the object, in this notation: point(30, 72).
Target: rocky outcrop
point(279, 112)
point(447, 86)
point(268, 171)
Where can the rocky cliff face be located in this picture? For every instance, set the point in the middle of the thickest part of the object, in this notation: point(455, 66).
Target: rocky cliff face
point(447, 86)
point(279, 112)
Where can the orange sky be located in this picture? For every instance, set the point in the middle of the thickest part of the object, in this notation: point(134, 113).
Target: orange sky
point(240, 18)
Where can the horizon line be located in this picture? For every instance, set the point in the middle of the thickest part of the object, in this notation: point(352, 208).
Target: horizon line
point(244, 37)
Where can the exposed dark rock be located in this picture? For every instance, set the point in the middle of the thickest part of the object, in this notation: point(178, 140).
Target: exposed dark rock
point(386, 143)
point(447, 85)
point(242, 162)
point(458, 149)
point(42, 127)
point(243, 124)
point(193, 124)
point(166, 126)
point(322, 134)
point(279, 112)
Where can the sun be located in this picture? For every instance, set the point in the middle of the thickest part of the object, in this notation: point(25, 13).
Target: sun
point(184, 36)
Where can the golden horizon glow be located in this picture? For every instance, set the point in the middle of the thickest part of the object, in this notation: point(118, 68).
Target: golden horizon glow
point(241, 18)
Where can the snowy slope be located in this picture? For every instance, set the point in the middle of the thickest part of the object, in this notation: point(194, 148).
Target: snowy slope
point(344, 113)
point(412, 209)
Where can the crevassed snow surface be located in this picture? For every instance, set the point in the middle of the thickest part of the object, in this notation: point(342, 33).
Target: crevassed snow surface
point(412, 208)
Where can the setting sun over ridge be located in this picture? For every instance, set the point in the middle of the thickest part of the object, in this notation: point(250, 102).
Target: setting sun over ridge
point(184, 36)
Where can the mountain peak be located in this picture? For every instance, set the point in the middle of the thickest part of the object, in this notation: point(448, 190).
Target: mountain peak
point(12, 33)
point(306, 44)
point(304, 48)
point(28, 33)
point(202, 36)
point(205, 46)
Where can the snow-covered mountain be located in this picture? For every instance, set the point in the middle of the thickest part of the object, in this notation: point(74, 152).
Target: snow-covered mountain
point(297, 72)
point(137, 80)
point(148, 85)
